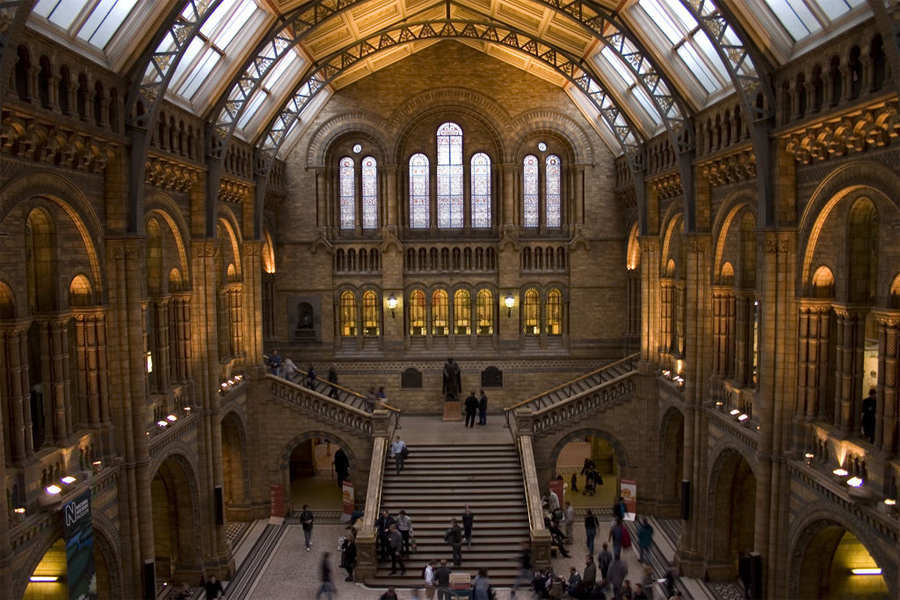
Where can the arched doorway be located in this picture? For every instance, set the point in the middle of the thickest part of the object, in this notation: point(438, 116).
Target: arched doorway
point(834, 563)
point(580, 452)
point(733, 499)
point(672, 453)
point(234, 463)
point(49, 580)
point(175, 522)
point(313, 472)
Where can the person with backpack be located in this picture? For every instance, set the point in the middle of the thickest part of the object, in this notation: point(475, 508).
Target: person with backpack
point(399, 452)
point(454, 537)
point(428, 576)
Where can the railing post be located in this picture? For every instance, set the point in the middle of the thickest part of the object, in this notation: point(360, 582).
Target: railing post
point(366, 558)
point(540, 537)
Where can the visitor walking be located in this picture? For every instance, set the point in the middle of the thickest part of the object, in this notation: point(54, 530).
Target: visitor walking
point(405, 525)
point(332, 379)
point(471, 409)
point(399, 452)
point(327, 590)
point(645, 540)
point(442, 580)
point(306, 520)
point(468, 521)
point(569, 519)
point(590, 529)
point(482, 408)
point(454, 537)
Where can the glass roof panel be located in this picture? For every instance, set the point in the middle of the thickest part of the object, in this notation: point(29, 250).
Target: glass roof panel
point(105, 20)
point(803, 18)
point(60, 12)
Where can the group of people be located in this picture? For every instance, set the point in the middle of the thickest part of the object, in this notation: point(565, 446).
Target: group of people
point(285, 368)
point(475, 405)
point(374, 398)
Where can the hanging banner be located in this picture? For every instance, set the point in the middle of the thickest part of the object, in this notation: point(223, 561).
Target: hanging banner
point(629, 494)
point(79, 532)
point(349, 500)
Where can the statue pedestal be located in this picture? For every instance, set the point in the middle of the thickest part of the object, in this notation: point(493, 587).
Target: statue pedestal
point(452, 411)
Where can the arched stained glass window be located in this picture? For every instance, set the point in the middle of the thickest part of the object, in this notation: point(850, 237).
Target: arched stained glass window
point(348, 193)
point(417, 313)
point(348, 314)
point(481, 190)
point(370, 313)
point(484, 312)
point(449, 176)
point(532, 312)
point(419, 210)
point(440, 313)
point(462, 313)
point(531, 200)
point(369, 193)
point(552, 178)
point(554, 312)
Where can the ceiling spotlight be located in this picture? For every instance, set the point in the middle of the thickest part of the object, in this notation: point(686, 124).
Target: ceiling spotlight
point(68, 479)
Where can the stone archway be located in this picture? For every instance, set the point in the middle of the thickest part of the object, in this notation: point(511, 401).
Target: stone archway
point(309, 476)
point(733, 513)
point(604, 449)
point(176, 522)
point(671, 439)
point(236, 482)
point(823, 558)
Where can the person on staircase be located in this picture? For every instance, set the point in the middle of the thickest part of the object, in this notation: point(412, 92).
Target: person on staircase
point(399, 452)
point(468, 521)
point(442, 580)
point(395, 544)
point(332, 379)
point(454, 537)
point(405, 525)
point(383, 527)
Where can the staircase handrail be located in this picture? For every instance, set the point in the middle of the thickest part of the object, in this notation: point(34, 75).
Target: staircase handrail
point(347, 391)
point(540, 536)
point(357, 418)
point(628, 358)
point(367, 537)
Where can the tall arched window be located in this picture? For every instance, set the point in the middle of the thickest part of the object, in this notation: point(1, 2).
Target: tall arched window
point(440, 313)
point(349, 319)
point(462, 313)
point(552, 185)
point(369, 193)
point(419, 209)
point(532, 312)
point(484, 309)
point(531, 201)
point(370, 313)
point(481, 190)
point(554, 312)
point(348, 193)
point(417, 313)
point(449, 176)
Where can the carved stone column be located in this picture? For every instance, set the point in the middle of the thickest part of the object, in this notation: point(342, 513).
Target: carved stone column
point(888, 402)
point(508, 191)
point(650, 300)
point(14, 379)
point(54, 336)
point(162, 361)
point(89, 344)
point(252, 303)
point(393, 198)
point(850, 329)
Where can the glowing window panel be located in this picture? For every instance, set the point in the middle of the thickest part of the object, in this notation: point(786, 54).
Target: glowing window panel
point(462, 313)
point(348, 314)
point(347, 178)
point(481, 190)
point(449, 176)
point(484, 312)
point(530, 200)
point(440, 313)
point(369, 192)
point(419, 209)
point(370, 314)
point(417, 313)
point(531, 309)
point(552, 182)
point(554, 312)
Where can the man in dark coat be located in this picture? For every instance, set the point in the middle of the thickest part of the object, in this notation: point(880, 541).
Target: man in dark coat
point(482, 408)
point(471, 409)
point(341, 466)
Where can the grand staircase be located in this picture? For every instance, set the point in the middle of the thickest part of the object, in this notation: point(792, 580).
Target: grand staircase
point(582, 384)
point(436, 484)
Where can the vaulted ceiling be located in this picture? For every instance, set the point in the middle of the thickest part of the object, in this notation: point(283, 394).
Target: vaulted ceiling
point(258, 68)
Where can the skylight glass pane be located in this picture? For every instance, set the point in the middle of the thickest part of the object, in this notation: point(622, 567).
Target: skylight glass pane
point(190, 55)
point(200, 73)
point(105, 20)
point(705, 48)
point(60, 12)
point(795, 16)
point(234, 24)
point(613, 59)
point(687, 20)
point(662, 20)
point(251, 108)
point(288, 60)
point(647, 103)
point(697, 67)
point(836, 8)
point(221, 13)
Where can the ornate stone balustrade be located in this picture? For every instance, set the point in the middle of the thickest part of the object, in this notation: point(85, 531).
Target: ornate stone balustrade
point(321, 407)
point(605, 396)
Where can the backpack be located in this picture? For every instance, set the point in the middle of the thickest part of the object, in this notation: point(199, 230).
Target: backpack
point(448, 535)
point(405, 452)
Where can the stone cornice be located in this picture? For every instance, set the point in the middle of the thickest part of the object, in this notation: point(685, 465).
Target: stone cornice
point(165, 172)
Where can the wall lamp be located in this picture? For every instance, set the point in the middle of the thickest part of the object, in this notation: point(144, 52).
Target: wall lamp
point(392, 304)
point(510, 302)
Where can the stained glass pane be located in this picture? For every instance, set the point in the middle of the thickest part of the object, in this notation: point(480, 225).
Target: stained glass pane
point(369, 193)
point(348, 193)
point(532, 312)
point(481, 190)
point(348, 314)
point(440, 312)
point(417, 313)
point(530, 201)
point(484, 309)
point(449, 176)
point(554, 312)
point(370, 314)
point(419, 210)
point(462, 313)
point(554, 208)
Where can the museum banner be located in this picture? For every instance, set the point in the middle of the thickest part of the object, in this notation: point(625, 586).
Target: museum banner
point(629, 494)
point(79, 532)
point(348, 499)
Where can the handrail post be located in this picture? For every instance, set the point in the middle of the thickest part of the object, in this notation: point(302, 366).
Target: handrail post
point(366, 559)
point(540, 536)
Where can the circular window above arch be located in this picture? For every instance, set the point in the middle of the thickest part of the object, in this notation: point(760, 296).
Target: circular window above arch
point(357, 148)
point(542, 146)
